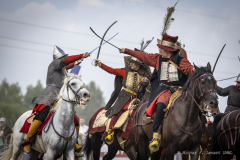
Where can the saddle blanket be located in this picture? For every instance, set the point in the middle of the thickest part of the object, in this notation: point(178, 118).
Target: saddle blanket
point(29, 120)
point(123, 126)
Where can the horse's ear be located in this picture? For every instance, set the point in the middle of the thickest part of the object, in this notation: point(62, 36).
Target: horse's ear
point(65, 72)
point(196, 68)
point(209, 67)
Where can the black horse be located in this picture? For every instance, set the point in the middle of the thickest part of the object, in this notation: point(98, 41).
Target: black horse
point(181, 128)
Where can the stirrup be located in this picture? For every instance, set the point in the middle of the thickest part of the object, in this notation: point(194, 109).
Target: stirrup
point(109, 139)
point(155, 143)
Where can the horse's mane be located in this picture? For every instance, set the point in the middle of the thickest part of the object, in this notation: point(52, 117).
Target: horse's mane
point(65, 83)
point(198, 72)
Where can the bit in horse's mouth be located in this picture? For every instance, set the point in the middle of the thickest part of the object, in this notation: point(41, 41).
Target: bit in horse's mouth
point(83, 102)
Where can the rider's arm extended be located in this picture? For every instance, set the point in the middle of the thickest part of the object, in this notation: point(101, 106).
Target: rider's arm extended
point(222, 91)
point(115, 71)
point(186, 67)
point(71, 65)
point(149, 59)
point(72, 59)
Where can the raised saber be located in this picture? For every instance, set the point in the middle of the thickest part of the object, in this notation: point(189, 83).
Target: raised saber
point(218, 58)
point(104, 39)
point(103, 43)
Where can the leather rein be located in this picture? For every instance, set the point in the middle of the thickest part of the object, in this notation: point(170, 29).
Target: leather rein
point(200, 97)
point(75, 93)
point(70, 101)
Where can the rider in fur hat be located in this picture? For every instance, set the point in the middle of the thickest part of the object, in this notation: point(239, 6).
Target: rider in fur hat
point(43, 102)
point(233, 93)
point(128, 78)
point(170, 70)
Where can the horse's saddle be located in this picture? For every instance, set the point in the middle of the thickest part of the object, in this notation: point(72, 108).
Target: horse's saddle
point(30, 120)
point(171, 102)
point(101, 119)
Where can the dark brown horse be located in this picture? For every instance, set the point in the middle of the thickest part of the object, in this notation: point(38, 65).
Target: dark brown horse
point(205, 143)
point(181, 128)
point(228, 134)
point(94, 144)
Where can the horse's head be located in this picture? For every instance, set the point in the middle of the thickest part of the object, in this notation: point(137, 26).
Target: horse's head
point(74, 90)
point(203, 85)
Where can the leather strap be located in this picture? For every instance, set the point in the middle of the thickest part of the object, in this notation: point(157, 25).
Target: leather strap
point(129, 91)
point(174, 64)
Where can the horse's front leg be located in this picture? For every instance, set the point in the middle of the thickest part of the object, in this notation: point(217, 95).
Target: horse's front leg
point(50, 154)
point(69, 154)
point(170, 152)
point(194, 153)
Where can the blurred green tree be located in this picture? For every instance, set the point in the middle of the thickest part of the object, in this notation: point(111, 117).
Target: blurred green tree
point(97, 101)
point(11, 105)
point(32, 91)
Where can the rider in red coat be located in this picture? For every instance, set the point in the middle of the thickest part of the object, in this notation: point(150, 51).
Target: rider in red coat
point(131, 77)
point(170, 70)
point(54, 82)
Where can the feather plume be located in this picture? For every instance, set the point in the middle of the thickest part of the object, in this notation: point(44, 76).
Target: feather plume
point(167, 19)
point(142, 42)
point(146, 44)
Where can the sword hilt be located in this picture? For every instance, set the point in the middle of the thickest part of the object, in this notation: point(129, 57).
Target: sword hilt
point(94, 61)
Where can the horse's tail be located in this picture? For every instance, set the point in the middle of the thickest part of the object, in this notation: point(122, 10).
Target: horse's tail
point(7, 153)
point(87, 149)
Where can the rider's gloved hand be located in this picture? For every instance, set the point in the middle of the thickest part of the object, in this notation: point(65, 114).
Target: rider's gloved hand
point(122, 50)
point(97, 63)
point(85, 55)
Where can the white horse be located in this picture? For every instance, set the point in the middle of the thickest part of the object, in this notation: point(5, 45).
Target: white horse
point(60, 136)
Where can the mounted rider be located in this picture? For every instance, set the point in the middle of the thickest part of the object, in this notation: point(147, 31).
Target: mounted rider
point(46, 100)
point(233, 93)
point(171, 71)
point(130, 78)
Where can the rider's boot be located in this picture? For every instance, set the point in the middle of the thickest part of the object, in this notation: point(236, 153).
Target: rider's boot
point(154, 145)
point(32, 131)
point(109, 139)
point(77, 146)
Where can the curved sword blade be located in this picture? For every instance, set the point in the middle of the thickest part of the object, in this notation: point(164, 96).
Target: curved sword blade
point(218, 58)
point(103, 43)
point(104, 39)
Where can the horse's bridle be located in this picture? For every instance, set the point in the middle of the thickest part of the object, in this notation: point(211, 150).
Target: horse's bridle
point(197, 82)
point(75, 93)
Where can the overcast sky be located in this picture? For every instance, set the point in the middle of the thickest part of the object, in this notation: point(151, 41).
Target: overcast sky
point(29, 30)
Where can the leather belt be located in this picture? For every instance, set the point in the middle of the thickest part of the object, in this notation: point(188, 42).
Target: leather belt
point(54, 85)
point(129, 91)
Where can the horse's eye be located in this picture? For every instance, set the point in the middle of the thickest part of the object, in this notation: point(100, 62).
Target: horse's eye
point(73, 83)
point(202, 81)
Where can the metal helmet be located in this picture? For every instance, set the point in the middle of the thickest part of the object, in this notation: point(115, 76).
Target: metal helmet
point(238, 79)
point(58, 53)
